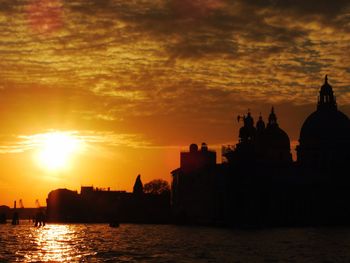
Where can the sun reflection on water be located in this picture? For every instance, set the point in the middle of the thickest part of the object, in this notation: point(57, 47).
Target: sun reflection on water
point(54, 243)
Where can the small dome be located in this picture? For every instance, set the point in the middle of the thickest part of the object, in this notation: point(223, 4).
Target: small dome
point(193, 148)
point(204, 147)
point(274, 137)
point(325, 126)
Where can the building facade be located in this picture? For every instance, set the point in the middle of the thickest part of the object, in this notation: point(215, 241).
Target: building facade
point(259, 184)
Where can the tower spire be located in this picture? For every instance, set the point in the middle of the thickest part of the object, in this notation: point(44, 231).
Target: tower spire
point(138, 186)
point(260, 125)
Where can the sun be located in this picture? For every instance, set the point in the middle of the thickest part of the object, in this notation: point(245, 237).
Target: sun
point(56, 149)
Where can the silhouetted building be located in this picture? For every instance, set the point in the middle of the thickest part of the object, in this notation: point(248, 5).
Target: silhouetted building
point(63, 205)
point(197, 159)
point(193, 184)
point(103, 205)
point(4, 213)
point(324, 141)
point(272, 143)
point(260, 145)
point(259, 184)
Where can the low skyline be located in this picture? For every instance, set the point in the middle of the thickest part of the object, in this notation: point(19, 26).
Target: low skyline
point(131, 83)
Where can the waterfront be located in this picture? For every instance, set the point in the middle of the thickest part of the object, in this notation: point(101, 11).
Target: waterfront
point(166, 243)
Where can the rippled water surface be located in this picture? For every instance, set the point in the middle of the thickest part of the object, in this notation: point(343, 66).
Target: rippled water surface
point(163, 243)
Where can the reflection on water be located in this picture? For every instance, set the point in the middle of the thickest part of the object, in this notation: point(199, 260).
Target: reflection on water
point(164, 243)
point(58, 243)
point(52, 243)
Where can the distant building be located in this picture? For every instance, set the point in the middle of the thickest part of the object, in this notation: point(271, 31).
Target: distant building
point(103, 205)
point(197, 159)
point(4, 213)
point(259, 184)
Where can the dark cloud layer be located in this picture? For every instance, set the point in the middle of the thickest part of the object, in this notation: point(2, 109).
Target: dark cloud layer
point(113, 64)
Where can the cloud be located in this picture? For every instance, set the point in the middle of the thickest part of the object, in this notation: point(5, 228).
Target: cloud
point(87, 139)
point(123, 66)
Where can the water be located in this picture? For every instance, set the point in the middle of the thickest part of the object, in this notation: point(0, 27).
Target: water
point(166, 243)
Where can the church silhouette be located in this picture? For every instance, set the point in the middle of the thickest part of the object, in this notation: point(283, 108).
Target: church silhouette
point(258, 183)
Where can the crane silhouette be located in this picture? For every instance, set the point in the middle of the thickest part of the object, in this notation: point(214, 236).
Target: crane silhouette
point(20, 204)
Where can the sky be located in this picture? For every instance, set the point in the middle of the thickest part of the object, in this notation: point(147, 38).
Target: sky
point(135, 82)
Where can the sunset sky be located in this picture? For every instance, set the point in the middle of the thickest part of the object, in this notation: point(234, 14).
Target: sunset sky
point(132, 83)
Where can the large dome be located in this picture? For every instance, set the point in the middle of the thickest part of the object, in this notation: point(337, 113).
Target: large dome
point(325, 125)
point(325, 136)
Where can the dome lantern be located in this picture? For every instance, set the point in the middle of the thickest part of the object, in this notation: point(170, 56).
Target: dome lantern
point(272, 118)
point(326, 99)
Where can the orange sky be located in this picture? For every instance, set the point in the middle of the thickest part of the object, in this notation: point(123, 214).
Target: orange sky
point(138, 81)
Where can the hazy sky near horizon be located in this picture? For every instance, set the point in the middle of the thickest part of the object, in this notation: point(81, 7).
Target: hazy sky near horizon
point(136, 81)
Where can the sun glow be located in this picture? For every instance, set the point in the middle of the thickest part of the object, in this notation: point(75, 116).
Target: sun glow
point(56, 150)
